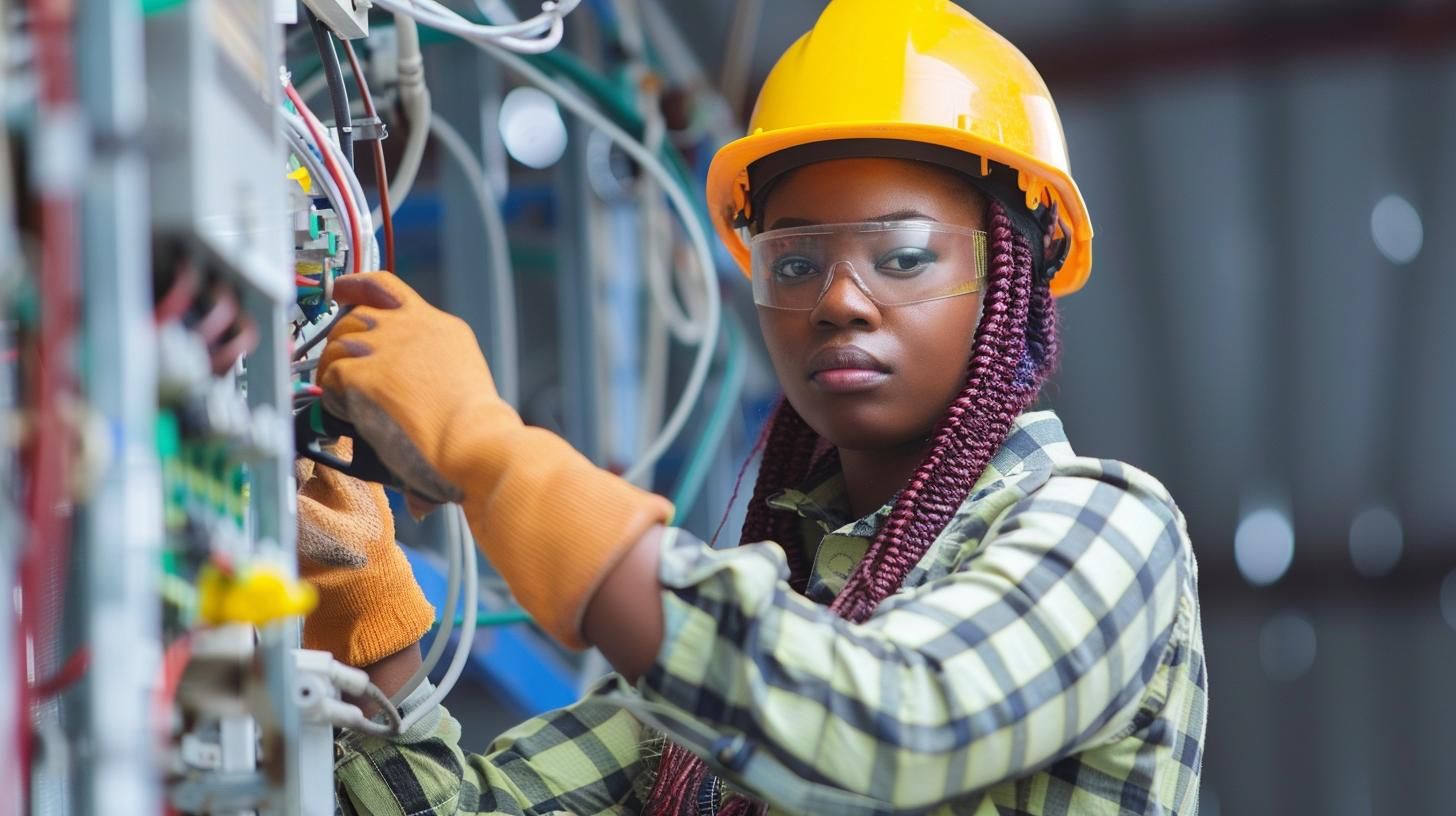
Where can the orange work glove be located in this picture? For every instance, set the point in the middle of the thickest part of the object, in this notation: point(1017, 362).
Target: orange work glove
point(369, 604)
point(412, 380)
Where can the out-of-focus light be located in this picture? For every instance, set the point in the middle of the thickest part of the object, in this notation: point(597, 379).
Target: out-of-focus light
point(531, 128)
point(1376, 540)
point(1264, 546)
point(1396, 227)
point(1448, 599)
point(1287, 646)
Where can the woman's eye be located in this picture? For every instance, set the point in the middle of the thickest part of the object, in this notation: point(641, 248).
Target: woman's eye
point(904, 263)
point(794, 269)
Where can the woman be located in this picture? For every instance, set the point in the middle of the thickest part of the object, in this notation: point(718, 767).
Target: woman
point(938, 605)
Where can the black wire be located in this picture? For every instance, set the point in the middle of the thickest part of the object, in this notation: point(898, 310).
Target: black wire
point(303, 350)
point(338, 94)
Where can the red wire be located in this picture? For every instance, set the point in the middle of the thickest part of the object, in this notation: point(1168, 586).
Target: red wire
point(332, 166)
point(183, 290)
point(244, 342)
point(174, 665)
point(66, 676)
point(223, 313)
point(381, 173)
point(47, 548)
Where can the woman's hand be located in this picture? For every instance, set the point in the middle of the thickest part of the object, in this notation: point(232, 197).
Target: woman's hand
point(407, 376)
point(412, 380)
point(369, 604)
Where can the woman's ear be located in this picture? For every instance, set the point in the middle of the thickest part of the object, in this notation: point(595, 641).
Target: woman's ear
point(1054, 248)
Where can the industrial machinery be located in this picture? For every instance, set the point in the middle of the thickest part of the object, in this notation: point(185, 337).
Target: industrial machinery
point(173, 216)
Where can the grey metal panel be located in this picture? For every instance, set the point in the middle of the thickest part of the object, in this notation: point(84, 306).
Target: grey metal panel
point(211, 75)
point(122, 524)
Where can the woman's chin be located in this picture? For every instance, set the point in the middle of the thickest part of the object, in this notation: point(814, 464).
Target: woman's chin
point(859, 428)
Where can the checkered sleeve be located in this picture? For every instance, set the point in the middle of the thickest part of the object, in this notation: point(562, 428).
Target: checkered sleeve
point(584, 759)
point(1040, 643)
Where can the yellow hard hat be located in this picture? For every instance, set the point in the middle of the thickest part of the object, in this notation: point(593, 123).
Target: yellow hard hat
point(923, 73)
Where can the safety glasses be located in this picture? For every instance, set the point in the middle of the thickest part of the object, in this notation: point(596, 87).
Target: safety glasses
point(894, 263)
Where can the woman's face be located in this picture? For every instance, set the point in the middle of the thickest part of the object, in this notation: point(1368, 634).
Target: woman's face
point(863, 375)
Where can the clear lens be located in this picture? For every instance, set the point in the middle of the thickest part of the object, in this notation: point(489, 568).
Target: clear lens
point(895, 263)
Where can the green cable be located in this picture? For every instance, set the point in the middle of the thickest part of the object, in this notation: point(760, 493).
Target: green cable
point(691, 483)
point(487, 620)
point(150, 7)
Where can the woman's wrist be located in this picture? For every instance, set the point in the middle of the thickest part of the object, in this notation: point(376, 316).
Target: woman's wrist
point(390, 674)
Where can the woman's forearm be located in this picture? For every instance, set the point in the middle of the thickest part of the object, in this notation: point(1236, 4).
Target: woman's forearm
point(624, 617)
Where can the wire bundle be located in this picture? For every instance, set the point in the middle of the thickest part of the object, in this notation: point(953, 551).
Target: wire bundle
point(463, 549)
point(534, 35)
point(341, 185)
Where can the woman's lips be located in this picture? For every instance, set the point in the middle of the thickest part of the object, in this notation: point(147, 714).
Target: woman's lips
point(846, 369)
point(848, 380)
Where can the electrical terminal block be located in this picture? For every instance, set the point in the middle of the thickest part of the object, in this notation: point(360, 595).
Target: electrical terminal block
point(323, 239)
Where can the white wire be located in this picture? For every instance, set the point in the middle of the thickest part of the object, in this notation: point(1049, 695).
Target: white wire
point(325, 182)
point(387, 708)
point(318, 173)
point(658, 247)
point(355, 190)
point(742, 41)
point(520, 37)
point(507, 362)
point(414, 97)
point(698, 377)
point(455, 520)
point(454, 559)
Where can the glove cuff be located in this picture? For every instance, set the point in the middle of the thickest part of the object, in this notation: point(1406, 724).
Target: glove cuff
point(554, 525)
point(367, 614)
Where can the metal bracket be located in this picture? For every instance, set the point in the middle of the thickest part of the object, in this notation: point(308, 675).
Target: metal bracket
point(348, 19)
point(368, 130)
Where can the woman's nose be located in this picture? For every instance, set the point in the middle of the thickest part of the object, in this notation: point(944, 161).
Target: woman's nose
point(845, 303)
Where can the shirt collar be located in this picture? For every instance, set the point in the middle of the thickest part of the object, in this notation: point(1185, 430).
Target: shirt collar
point(1036, 440)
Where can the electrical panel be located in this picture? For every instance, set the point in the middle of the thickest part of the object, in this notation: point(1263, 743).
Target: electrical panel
point(173, 218)
point(212, 82)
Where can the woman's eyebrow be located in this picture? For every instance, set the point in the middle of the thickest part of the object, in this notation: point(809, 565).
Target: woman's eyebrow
point(905, 215)
point(898, 215)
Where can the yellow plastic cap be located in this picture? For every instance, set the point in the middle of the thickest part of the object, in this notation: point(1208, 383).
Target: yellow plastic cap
point(922, 71)
point(258, 595)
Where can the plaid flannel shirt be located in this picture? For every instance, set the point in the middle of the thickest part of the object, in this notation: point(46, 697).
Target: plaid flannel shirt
point(1045, 656)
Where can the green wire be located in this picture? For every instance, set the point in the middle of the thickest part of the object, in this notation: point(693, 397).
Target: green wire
point(691, 484)
point(509, 617)
point(150, 7)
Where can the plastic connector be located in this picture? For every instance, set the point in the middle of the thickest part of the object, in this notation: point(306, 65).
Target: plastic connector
point(258, 596)
point(319, 682)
